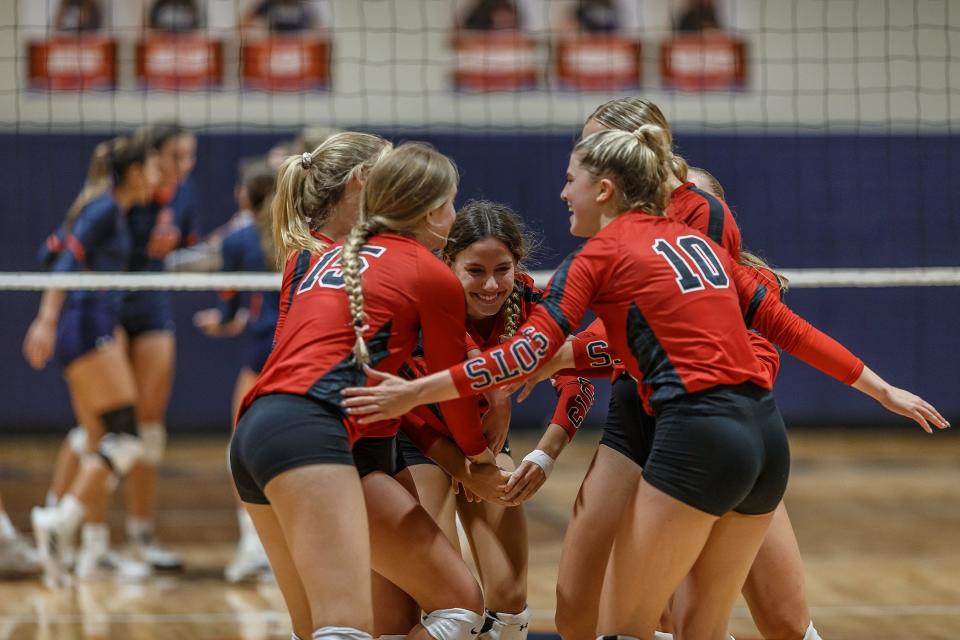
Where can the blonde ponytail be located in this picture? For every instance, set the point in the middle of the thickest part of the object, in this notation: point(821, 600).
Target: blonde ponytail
point(96, 184)
point(637, 162)
point(310, 185)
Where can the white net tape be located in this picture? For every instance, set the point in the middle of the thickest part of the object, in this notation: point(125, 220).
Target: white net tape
point(251, 281)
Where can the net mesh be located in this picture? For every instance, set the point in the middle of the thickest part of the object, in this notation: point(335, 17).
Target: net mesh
point(807, 65)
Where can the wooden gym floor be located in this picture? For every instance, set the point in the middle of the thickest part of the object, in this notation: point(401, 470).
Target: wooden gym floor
point(877, 514)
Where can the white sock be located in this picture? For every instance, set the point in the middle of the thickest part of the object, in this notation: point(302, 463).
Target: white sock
point(71, 511)
point(340, 633)
point(812, 633)
point(660, 635)
point(95, 536)
point(51, 500)
point(139, 529)
point(509, 626)
point(7, 532)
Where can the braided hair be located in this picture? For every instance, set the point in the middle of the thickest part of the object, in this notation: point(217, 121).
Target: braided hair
point(401, 188)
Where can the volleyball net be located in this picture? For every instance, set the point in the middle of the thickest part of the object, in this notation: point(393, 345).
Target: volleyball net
point(831, 126)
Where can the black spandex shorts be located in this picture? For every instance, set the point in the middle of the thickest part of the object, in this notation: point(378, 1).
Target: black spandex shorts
point(378, 454)
point(146, 311)
point(412, 456)
point(629, 429)
point(722, 449)
point(281, 432)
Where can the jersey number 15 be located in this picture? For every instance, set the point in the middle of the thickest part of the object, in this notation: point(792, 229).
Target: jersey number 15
point(697, 254)
point(328, 272)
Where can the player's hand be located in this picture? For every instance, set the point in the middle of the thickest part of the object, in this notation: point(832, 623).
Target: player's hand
point(391, 398)
point(906, 404)
point(486, 481)
point(524, 482)
point(460, 490)
point(39, 343)
point(209, 322)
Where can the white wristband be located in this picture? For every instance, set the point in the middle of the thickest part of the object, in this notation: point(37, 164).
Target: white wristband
point(541, 459)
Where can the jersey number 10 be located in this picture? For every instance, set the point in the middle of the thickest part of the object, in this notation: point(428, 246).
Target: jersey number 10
point(697, 253)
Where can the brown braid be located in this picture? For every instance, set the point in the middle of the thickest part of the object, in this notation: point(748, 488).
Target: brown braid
point(511, 310)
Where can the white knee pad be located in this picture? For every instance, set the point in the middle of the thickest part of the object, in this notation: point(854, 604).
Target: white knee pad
point(154, 438)
point(340, 633)
point(452, 624)
point(507, 626)
point(121, 451)
point(812, 633)
point(78, 441)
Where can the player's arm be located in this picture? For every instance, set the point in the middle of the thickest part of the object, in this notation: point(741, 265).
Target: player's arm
point(580, 276)
point(799, 338)
point(442, 323)
point(90, 231)
point(228, 318)
point(576, 396)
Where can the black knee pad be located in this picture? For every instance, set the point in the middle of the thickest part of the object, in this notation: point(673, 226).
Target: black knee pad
point(120, 420)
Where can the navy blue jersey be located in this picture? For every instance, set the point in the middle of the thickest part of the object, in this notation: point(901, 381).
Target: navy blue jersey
point(242, 251)
point(98, 241)
point(161, 226)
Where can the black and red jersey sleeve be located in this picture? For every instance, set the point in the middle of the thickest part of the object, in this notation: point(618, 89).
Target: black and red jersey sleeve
point(575, 397)
point(766, 312)
point(591, 352)
point(443, 326)
point(568, 295)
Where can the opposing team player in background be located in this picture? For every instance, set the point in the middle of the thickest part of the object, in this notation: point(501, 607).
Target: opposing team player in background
point(82, 329)
point(248, 247)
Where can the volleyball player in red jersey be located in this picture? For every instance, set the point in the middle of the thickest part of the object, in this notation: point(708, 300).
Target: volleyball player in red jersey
point(364, 301)
point(486, 250)
point(720, 459)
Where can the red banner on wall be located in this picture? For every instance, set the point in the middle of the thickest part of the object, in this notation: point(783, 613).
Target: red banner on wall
point(287, 63)
point(494, 61)
point(704, 61)
point(179, 61)
point(598, 62)
point(72, 62)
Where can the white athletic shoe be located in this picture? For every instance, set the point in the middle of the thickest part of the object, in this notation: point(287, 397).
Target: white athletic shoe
point(18, 558)
point(249, 563)
point(156, 556)
point(101, 562)
point(54, 543)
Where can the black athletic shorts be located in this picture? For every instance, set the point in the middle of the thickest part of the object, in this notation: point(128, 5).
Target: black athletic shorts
point(722, 449)
point(629, 429)
point(280, 432)
point(378, 454)
point(411, 454)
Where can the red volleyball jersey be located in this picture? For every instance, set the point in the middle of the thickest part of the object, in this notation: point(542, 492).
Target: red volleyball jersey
point(707, 214)
point(767, 319)
point(575, 393)
point(666, 297)
point(407, 291)
point(695, 208)
point(294, 270)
